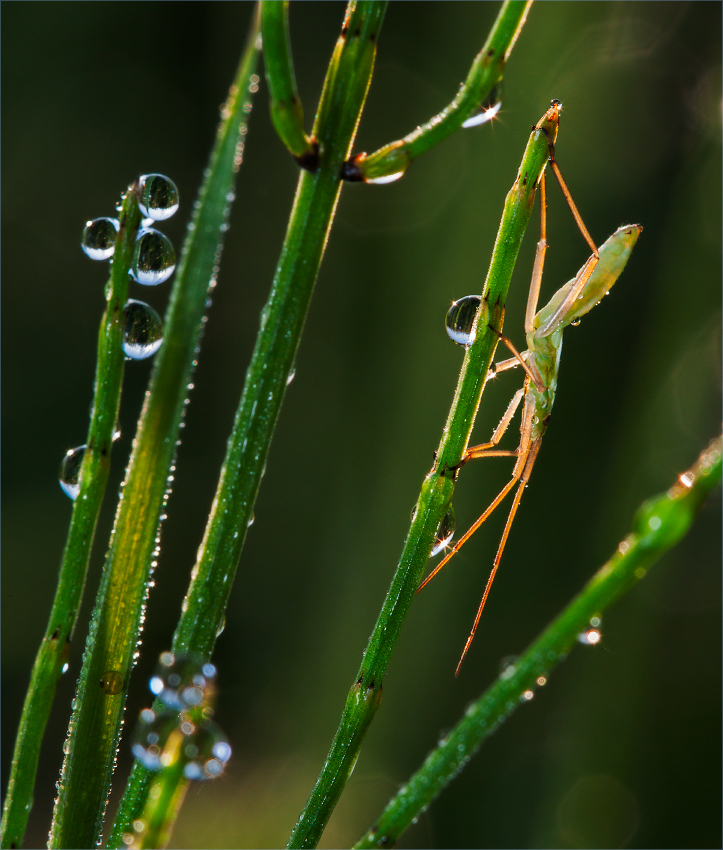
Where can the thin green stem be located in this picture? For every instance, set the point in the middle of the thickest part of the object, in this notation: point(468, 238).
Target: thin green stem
point(287, 113)
point(365, 695)
point(486, 71)
point(657, 526)
point(282, 322)
point(53, 651)
point(116, 621)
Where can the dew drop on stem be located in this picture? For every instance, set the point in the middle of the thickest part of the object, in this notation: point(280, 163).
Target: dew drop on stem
point(142, 330)
point(157, 196)
point(69, 475)
point(154, 258)
point(99, 237)
point(460, 320)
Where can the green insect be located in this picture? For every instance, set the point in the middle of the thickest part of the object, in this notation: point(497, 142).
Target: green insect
point(541, 362)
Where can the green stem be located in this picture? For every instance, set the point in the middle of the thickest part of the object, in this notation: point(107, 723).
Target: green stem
point(287, 113)
point(53, 652)
point(657, 526)
point(116, 621)
point(365, 695)
point(282, 322)
point(486, 71)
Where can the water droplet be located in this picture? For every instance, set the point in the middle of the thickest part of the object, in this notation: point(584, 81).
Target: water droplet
point(445, 532)
point(541, 680)
point(507, 666)
point(595, 622)
point(290, 378)
point(386, 178)
point(112, 682)
point(575, 322)
point(151, 736)
point(527, 696)
point(590, 637)
point(183, 681)
point(655, 522)
point(99, 235)
point(69, 475)
point(460, 319)
point(207, 751)
point(66, 667)
point(157, 196)
point(221, 625)
point(483, 115)
point(143, 330)
point(154, 258)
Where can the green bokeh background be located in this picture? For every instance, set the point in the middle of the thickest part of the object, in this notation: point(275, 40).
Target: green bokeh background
point(622, 747)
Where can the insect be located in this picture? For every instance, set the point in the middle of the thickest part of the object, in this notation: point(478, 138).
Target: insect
point(541, 362)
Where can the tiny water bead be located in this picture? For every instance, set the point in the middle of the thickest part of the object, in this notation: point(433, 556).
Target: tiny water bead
point(157, 196)
point(445, 532)
point(488, 109)
point(112, 682)
point(143, 330)
point(590, 637)
point(69, 475)
point(154, 258)
point(182, 681)
point(460, 320)
point(99, 236)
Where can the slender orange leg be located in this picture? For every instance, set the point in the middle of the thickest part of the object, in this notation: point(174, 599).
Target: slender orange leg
point(524, 478)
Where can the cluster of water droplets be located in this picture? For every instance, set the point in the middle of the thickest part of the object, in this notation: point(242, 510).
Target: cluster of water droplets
point(154, 261)
point(183, 730)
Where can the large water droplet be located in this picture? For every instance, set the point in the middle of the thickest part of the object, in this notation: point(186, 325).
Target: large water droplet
point(157, 196)
point(460, 319)
point(112, 682)
point(69, 475)
point(99, 238)
point(151, 736)
point(182, 681)
point(207, 751)
point(445, 532)
point(143, 330)
point(154, 258)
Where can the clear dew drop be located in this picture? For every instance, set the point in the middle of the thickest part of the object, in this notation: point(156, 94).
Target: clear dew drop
point(69, 475)
point(460, 320)
point(488, 109)
point(384, 179)
point(66, 667)
point(482, 115)
point(154, 258)
point(182, 681)
point(112, 682)
point(445, 532)
point(157, 196)
point(99, 236)
point(143, 330)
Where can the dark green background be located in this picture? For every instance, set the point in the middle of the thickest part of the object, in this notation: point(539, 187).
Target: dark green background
point(622, 747)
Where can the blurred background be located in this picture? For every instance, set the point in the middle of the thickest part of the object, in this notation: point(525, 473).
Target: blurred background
point(622, 747)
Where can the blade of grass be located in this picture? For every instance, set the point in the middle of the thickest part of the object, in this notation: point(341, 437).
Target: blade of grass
point(484, 74)
point(53, 651)
point(95, 724)
point(366, 692)
point(282, 322)
point(658, 525)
